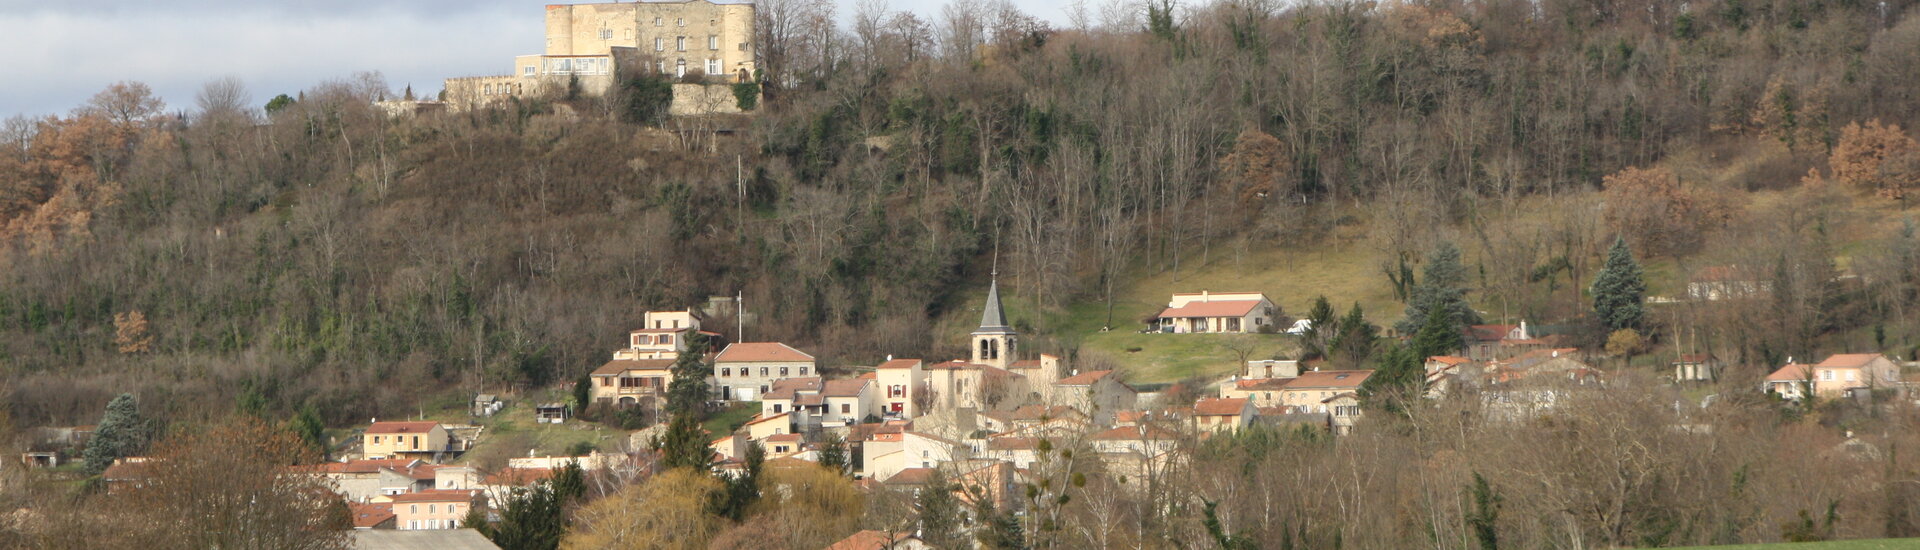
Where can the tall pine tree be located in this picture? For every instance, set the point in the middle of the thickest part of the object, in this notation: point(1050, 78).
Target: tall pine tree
point(1619, 293)
point(1319, 330)
point(939, 511)
point(1398, 382)
point(1439, 335)
point(121, 433)
point(1443, 286)
point(685, 443)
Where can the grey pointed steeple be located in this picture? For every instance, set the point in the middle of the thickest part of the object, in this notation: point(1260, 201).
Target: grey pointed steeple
point(993, 318)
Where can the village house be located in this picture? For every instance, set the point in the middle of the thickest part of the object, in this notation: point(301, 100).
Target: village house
point(662, 335)
point(623, 383)
point(1263, 392)
point(1837, 375)
point(589, 47)
point(744, 371)
point(763, 426)
point(1495, 342)
point(1444, 372)
point(901, 382)
point(433, 509)
point(1725, 282)
point(1035, 420)
point(885, 454)
point(1214, 414)
point(1343, 410)
point(1099, 393)
point(363, 480)
point(1696, 367)
point(127, 474)
point(1231, 312)
point(425, 440)
point(1042, 375)
point(1559, 362)
point(1310, 391)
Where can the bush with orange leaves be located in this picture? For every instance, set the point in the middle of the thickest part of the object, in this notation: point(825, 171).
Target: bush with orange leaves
point(1651, 208)
point(1876, 157)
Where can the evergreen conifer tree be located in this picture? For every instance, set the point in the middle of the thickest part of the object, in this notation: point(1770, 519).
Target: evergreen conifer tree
point(1619, 292)
point(1439, 335)
point(1320, 328)
point(308, 426)
point(1442, 286)
point(939, 513)
point(1353, 343)
point(1398, 381)
point(530, 519)
point(121, 433)
point(744, 489)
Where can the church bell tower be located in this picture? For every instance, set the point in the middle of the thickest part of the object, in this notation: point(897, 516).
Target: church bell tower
point(993, 342)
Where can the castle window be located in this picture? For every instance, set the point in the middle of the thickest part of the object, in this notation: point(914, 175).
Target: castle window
point(656, 22)
point(659, 44)
point(606, 34)
point(713, 42)
point(713, 66)
point(680, 22)
point(680, 44)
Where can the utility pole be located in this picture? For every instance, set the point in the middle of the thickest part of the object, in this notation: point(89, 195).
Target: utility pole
point(739, 316)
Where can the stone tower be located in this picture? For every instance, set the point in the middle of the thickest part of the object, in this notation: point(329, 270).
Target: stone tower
point(993, 342)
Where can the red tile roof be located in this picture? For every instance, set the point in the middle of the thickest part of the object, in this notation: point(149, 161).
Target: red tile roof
point(1219, 406)
point(1084, 379)
point(871, 540)
point(844, 388)
point(761, 352)
point(617, 366)
point(911, 476)
point(783, 438)
point(758, 419)
point(899, 364)
point(1024, 364)
point(370, 515)
point(1848, 360)
point(1330, 379)
point(1228, 308)
point(788, 388)
point(1448, 359)
point(402, 427)
point(1697, 357)
point(1792, 372)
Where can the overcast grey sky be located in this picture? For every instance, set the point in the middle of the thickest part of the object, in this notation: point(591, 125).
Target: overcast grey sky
point(64, 51)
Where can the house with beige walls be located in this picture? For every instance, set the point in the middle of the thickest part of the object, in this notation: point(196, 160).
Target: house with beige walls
point(744, 371)
point(424, 440)
point(1098, 394)
point(434, 509)
point(1223, 312)
point(1837, 375)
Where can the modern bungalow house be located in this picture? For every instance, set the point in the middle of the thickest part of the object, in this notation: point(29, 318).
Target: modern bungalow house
point(1231, 312)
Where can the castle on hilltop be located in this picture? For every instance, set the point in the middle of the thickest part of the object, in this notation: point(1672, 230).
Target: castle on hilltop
point(590, 45)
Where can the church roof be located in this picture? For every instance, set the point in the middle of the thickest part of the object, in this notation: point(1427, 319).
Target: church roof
point(993, 320)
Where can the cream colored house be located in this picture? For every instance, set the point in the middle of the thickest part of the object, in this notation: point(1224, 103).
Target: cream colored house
point(1309, 392)
point(1212, 414)
point(1232, 312)
point(589, 47)
point(900, 382)
point(434, 509)
point(1837, 375)
point(1343, 411)
point(1263, 392)
point(885, 454)
point(959, 384)
point(764, 426)
point(405, 440)
point(632, 382)
point(662, 335)
point(743, 371)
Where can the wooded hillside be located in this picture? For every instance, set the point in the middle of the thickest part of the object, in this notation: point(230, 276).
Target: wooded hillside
point(324, 253)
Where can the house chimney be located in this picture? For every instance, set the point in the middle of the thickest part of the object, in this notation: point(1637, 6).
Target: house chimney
point(1523, 330)
point(1205, 296)
point(376, 420)
point(889, 357)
